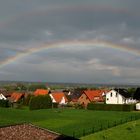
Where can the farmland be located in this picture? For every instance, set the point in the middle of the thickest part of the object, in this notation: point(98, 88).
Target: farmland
point(65, 121)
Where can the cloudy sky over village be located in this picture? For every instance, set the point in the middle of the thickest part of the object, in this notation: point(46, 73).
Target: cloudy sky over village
point(27, 25)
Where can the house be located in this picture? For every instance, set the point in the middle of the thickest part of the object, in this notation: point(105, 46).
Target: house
point(59, 97)
point(74, 95)
point(4, 92)
point(15, 97)
point(2, 97)
point(73, 101)
point(41, 92)
point(91, 96)
point(119, 96)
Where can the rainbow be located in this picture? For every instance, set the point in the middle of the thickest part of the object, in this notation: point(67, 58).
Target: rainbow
point(8, 21)
point(69, 43)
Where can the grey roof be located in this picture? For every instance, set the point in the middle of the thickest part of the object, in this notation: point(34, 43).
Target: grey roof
point(123, 92)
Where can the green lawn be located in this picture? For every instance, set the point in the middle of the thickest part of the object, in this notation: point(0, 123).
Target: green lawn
point(128, 131)
point(65, 121)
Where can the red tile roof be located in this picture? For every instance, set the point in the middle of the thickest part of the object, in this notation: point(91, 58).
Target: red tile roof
point(41, 92)
point(58, 96)
point(94, 95)
point(16, 96)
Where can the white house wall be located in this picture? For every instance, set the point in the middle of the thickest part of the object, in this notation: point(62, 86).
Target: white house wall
point(2, 97)
point(119, 99)
point(130, 101)
point(53, 100)
point(63, 101)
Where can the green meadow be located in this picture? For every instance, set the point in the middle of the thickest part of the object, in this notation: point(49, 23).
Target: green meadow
point(128, 131)
point(66, 121)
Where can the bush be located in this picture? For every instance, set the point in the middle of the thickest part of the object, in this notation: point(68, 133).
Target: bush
point(27, 100)
point(55, 105)
point(40, 102)
point(17, 105)
point(70, 105)
point(111, 107)
point(78, 106)
point(34, 87)
point(4, 103)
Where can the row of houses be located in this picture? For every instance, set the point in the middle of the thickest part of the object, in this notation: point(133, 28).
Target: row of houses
point(82, 97)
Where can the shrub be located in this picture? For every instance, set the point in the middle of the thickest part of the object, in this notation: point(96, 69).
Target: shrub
point(40, 102)
point(78, 106)
point(111, 107)
point(70, 105)
point(55, 105)
point(4, 103)
point(17, 105)
point(27, 100)
point(34, 87)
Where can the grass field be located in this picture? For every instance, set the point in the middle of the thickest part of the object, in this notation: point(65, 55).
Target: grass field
point(65, 121)
point(128, 131)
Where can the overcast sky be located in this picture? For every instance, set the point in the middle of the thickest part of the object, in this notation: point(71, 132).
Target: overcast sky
point(27, 24)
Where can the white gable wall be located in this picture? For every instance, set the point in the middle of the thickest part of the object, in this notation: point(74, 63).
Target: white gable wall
point(63, 101)
point(53, 100)
point(112, 97)
point(2, 97)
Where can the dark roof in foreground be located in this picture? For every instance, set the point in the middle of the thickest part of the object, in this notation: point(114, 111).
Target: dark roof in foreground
point(30, 132)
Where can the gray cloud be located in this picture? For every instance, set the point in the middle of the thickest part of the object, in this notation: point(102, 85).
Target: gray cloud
point(29, 23)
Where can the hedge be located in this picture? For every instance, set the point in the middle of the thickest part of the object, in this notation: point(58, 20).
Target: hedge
point(111, 107)
point(55, 105)
point(4, 103)
point(40, 102)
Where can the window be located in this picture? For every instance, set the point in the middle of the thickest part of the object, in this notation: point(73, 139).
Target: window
point(111, 94)
point(96, 98)
point(107, 99)
point(116, 94)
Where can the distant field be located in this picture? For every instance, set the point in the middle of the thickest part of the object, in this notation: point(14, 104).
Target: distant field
point(65, 121)
point(128, 131)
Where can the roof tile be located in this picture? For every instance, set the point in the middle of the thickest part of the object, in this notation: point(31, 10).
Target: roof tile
point(58, 96)
point(41, 92)
point(92, 94)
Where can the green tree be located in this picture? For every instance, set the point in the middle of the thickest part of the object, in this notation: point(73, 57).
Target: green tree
point(27, 99)
point(33, 87)
point(21, 86)
point(40, 102)
point(131, 91)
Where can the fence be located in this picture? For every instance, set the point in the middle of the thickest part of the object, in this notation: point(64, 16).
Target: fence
point(103, 126)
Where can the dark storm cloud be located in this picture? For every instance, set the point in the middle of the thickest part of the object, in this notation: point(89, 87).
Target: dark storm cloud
point(66, 21)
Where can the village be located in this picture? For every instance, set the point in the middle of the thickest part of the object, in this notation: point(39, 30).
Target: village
point(74, 97)
point(34, 112)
